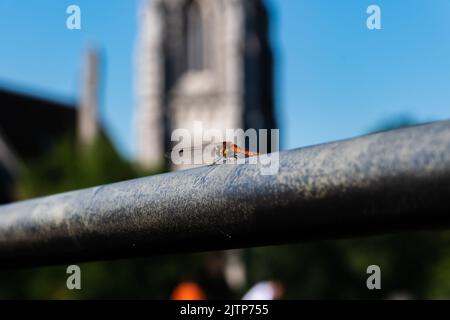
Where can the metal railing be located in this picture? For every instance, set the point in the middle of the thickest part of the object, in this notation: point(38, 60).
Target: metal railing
point(385, 182)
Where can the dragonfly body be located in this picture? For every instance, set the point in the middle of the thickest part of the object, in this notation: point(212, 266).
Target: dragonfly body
point(228, 149)
point(221, 150)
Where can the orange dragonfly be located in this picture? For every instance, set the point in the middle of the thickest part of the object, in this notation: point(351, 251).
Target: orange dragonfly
point(219, 151)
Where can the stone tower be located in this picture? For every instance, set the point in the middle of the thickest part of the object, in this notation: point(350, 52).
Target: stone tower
point(200, 60)
point(88, 126)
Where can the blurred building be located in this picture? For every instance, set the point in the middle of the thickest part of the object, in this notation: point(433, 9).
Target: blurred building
point(201, 60)
point(30, 125)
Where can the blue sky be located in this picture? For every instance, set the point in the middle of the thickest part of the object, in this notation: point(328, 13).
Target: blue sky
point(334, 78)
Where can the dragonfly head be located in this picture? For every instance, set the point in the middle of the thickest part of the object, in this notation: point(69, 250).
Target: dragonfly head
point(228, 148)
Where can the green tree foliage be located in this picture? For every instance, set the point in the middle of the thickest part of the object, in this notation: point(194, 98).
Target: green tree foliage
point(414, 265)
point(69, 166)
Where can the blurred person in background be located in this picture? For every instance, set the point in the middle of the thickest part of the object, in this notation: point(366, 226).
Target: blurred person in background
point(188, 290)
point(265, 290)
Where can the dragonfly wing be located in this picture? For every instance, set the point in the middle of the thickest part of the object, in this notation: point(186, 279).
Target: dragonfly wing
point(197, 147)
point(180, 150)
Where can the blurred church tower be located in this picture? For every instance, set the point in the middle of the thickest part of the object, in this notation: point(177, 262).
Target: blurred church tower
point(88, 108)
point(205, 60)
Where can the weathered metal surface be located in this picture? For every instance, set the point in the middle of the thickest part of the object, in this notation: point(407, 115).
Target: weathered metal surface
point(385, 182)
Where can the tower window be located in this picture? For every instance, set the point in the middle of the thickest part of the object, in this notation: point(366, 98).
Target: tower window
point(194, 36)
